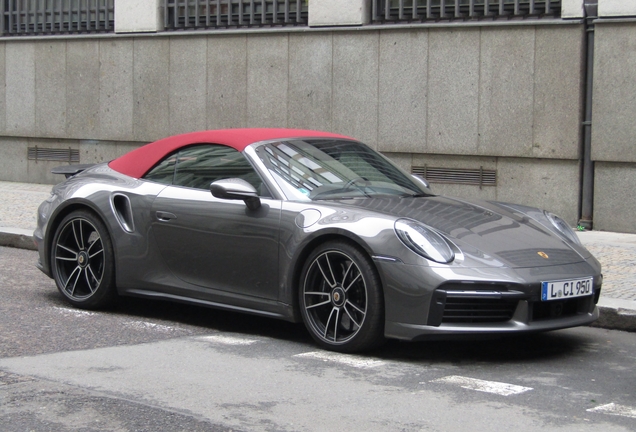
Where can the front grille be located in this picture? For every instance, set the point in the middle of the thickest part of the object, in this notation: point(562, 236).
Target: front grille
point(476, 310)
point(557, 309)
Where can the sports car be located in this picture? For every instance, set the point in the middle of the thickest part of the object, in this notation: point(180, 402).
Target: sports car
point(310, 227)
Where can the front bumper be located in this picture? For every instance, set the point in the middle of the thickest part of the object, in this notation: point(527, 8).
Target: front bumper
point(422, 302)
point(517, 324)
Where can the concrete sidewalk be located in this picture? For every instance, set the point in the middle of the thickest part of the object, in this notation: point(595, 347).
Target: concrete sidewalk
point(615, 251)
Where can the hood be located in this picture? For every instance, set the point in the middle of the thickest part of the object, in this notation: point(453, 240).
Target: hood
point(486, 231)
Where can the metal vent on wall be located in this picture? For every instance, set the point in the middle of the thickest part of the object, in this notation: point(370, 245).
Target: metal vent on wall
point(53, 154)
point(467, 176)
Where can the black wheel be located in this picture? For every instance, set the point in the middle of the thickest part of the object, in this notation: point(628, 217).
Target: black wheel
point(341, 298)
point(82, 261)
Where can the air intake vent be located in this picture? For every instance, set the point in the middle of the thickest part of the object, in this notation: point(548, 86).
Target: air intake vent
point(53, 154)
point(478, 177)
point(471, 310)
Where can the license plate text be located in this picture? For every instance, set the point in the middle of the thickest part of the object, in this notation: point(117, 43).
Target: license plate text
point(559, 290)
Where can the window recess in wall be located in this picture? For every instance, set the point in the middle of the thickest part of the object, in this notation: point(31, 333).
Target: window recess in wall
point(391, 11)
point(36, 17)
point(53, 154)
point(210, 14)
point(467, 176)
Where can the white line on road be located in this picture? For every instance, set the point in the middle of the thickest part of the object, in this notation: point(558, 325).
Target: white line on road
point(75, 312)
point(499, 388)
point(227, 340)
point(349, 360)
point(614, 409)
point(144, 325)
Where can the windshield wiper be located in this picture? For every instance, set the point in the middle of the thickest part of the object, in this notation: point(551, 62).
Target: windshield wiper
point(337, 194)
point(414, 195)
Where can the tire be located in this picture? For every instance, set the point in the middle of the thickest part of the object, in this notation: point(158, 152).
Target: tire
point(82, 261)
point(341, 299)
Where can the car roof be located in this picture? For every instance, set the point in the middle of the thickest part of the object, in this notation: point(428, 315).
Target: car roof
point(139, 161)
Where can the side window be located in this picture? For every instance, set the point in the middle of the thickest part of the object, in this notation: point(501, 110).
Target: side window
point(198, 166)
point(163, 172)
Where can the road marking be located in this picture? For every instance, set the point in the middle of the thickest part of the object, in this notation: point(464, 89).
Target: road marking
point(614, 409)
point(144, 325)
point(349, 360)
point(75, 312)
point(227, 340)
point(499, 388)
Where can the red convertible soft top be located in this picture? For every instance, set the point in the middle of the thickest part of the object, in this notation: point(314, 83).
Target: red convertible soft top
point(137, 162)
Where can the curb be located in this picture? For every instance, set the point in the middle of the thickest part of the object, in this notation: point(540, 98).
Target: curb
point(17, 238)
point(615, 314)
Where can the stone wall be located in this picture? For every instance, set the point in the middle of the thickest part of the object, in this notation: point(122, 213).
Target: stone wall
point(614, 126)
point(502, 97)
point(509, 94)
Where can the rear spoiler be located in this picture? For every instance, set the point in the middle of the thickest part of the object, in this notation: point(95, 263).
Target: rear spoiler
point(71, 170)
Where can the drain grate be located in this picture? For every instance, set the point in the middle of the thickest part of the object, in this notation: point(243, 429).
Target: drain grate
point(53, 154)
point(467, 176)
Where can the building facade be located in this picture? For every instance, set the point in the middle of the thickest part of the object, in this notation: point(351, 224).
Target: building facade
point(512, 100)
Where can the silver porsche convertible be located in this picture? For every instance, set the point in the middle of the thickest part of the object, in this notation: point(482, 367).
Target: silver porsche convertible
point(314, 227)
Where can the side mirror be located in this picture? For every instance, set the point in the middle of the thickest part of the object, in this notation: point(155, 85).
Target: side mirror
point(421, 181)
point(236, 189)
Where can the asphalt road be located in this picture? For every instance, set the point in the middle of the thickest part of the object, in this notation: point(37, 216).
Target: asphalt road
point(154, 366)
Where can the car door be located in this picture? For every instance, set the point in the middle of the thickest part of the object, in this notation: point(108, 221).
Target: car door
point(213, 243)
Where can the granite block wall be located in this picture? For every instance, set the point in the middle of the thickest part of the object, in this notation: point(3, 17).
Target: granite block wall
point(510, 97)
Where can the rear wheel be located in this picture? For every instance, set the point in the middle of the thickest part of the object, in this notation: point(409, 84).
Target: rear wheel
point(82, 261)
point(341, 298)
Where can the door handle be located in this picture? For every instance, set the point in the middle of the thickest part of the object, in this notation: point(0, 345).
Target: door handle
point(165, 216)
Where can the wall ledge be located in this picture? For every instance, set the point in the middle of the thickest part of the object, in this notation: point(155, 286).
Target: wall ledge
point(283, 30)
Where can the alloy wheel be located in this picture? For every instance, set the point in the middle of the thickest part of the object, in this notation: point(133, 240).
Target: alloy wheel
point(79, 259)
point(335, 297)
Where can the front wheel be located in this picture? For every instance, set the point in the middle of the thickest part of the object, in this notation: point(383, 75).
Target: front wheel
point(341, 298)
point(82, 261)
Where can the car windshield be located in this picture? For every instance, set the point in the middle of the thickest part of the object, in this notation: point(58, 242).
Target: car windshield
point(323, 169)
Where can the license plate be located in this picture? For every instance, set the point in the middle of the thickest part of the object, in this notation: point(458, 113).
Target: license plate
point(565, 289)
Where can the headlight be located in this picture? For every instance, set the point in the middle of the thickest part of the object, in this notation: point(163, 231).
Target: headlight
point(423, 241)
point(562, 227)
